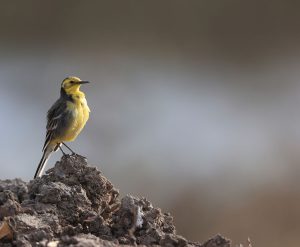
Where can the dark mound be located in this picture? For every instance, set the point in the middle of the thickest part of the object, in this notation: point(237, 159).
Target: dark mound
point(75, 205)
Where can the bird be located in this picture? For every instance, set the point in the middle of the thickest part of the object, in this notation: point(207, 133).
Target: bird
point(65, 119)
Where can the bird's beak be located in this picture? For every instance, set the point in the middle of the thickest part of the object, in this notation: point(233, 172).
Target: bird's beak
point(83, 82)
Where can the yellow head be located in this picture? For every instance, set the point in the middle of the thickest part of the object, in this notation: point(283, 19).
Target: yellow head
point(72, 84)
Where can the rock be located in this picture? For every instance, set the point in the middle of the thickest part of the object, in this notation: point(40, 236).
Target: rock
point(217, 241)
point(73, 204)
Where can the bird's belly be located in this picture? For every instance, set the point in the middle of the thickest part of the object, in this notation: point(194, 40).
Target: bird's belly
point(80, 116)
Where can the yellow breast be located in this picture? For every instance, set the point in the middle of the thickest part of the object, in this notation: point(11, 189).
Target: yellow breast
point(80, 111)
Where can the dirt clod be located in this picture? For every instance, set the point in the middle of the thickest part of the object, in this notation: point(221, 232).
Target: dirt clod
point(73, 204)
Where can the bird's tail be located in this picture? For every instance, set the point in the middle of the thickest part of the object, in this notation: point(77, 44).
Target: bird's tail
point(42, 164)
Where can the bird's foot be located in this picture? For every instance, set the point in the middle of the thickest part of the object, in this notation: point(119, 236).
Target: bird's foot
point(77, 155)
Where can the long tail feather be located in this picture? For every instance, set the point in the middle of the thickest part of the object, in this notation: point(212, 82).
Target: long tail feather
point(42, 164)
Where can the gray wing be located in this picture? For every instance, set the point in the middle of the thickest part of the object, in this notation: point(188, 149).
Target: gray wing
point(58, 119)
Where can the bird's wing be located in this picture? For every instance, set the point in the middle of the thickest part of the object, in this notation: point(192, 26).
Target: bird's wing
point(56, 118)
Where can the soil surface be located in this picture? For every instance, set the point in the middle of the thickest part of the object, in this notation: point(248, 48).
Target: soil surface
point(75, 205)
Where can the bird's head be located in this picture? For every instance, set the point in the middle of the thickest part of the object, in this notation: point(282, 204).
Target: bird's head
point(72, 84)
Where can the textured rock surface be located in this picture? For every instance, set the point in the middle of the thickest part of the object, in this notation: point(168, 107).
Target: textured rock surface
point(73, 204)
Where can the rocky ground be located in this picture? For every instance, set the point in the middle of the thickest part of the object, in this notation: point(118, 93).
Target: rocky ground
point(75, 205)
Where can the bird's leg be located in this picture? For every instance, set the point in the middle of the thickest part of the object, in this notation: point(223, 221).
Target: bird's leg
point(73, 153)
point(62, 150)
point(68, 148)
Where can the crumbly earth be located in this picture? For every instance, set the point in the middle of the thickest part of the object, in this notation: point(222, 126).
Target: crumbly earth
point(75, 205)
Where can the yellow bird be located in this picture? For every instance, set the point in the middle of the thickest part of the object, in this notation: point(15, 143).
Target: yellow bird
point(65, 119)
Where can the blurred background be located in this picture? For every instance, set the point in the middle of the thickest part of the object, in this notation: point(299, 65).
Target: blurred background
point(195, 105)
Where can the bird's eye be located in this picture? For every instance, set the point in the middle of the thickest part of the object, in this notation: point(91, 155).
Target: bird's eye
point(71, 82)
